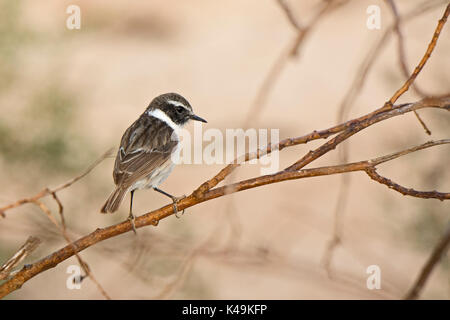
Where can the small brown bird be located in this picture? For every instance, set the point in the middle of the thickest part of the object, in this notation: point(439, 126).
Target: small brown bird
point(144, 159)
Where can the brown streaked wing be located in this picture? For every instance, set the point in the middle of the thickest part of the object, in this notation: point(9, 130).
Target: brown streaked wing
point(146, 145)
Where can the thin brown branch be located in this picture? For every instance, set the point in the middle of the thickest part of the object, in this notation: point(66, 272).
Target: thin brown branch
point(331, 144)
point(6, 270)
point(107, 154)
point(153, 218)
point(422, 123)
point(397, 28)
point(424, 59)
point(362, 123)
point(348, 101)
point(372, 173)
point(289, 15)
point(60, 210)
point(315, 172)
point(62, 229)
point(280, 63)
point(326, 7)
point(402, 57)
point(47, 191)
point(207, 191)
point(438, 252)
point(365, 120)
point(53, 192)
point(374, 53)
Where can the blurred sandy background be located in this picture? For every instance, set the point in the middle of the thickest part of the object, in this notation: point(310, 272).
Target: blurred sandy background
point(66, 96)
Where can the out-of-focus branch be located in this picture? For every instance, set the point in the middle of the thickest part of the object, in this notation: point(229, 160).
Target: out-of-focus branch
point(291, 51)
point(153, 218)
point(364, 122)
point(61, 227)
point(208, 190)
point(397, 28)
point(374, 53)
point(6, 270)
point(312, 155)
point(47, 191)
point(350, 97)
point(290, 15)
point(402, 57)
point(352, 125)
point(439, 250)
point(423, 61)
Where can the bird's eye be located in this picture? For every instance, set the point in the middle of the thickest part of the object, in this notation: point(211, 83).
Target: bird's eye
point(179, 109)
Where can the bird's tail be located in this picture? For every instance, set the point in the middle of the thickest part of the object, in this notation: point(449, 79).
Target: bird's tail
point(115, 199)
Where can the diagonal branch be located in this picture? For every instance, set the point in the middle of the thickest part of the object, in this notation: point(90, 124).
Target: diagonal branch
point(439, 250)
point(47, 191)
point(61, 227)
point(372, 173)
point(63, 230)
point(6, 270)
point(291, 51)
point(424, 59)
point(402, 57)
point(290, 15)
point(207, 191)
point(350, 97)
point(153, 218)
point(331, 144)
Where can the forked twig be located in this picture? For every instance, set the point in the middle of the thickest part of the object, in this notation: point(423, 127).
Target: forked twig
point(6, 270)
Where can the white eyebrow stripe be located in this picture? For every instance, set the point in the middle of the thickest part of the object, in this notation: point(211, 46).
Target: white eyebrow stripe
point(158, 114)
point(177, 104)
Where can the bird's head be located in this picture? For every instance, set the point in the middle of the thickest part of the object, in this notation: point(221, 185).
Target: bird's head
point(175, 107)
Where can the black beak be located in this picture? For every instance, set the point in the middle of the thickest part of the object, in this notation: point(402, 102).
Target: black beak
point(194, 117)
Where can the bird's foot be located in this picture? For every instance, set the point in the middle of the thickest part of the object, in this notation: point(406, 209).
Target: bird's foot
point(175, 208)
point(132, 219)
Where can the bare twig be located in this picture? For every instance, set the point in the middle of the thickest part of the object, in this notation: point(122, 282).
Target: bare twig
point(47, 191)
point(372, 173)
point(365, 121)
point(6, 270)
point(402, 57)
point(311, 156)
point(291, 51)
point(208, 190)
point(423, 61)
point(349, 99)
point(62, 229)
point(374, 53)
point(439, 250)
point(290, 15)
point(153, 218)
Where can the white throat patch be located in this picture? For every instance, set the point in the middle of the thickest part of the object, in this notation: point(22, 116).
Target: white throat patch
point(157, 113)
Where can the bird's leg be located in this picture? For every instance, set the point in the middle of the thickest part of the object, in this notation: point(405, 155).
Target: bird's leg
point(174, 199)
point(131, 217)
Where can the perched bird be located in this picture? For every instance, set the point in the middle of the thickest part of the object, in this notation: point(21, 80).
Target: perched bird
point(145, 156)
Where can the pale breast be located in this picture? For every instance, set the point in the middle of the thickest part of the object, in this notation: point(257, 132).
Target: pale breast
point(159, 174)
